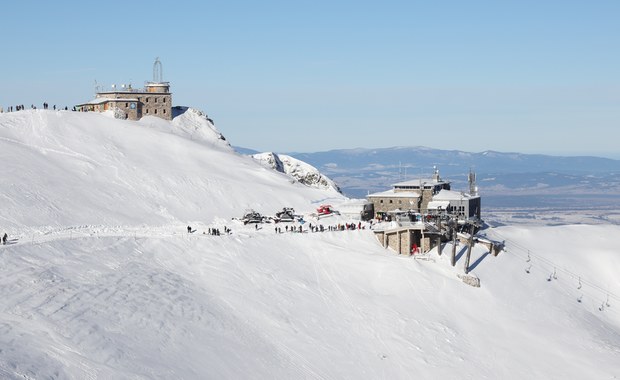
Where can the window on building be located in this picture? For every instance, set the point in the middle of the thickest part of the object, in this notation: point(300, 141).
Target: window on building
point(381, 201)
point(155, 112)
point(126, 104)
point(147, 110)
point(164, 112)
point(147, 100)
point(391, 201)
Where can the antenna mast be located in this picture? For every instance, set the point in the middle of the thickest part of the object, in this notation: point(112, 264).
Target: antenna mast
point(472, 183)
point(158, 72)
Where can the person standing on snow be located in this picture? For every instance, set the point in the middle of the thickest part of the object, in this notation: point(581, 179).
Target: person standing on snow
point(414, 249)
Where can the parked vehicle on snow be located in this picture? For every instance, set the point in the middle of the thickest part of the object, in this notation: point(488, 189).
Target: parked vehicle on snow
point(286, 215)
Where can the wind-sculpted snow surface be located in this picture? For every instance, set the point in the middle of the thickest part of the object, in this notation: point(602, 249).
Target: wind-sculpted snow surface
point(100, 279)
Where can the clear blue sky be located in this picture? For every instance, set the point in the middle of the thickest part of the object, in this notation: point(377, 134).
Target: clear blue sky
point(523, 76)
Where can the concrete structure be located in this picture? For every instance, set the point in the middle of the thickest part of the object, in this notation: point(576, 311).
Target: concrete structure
point(155, 99)
point(402, 239)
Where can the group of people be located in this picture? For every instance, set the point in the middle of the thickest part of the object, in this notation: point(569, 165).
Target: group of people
point(211, 231)
point(216, 231)
point(46, 106)
point(16, 108)
point(287, 228)
point(21, 108)
point(291, 229)
point(321, 228)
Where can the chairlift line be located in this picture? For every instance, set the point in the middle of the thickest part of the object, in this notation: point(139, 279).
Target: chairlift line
point(550, 263)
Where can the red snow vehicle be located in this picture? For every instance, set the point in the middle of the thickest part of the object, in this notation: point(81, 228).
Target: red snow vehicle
point(325, 210)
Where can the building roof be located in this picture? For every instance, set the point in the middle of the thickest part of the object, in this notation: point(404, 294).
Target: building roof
point(393, 194)
point(132, 91)
point(434, 205)
point(93, 102)
point(122, 100)
point(449, 195)
point(105, 100)
point(416, 182)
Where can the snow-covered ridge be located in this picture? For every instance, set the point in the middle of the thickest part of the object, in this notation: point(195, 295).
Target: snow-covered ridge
point(297, 169)
point(191, 123)
point(64, 168)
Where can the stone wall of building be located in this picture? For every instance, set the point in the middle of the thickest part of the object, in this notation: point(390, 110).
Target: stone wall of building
point(148, 104)
point(426, 244)
point(154, 104)
point(385, 204)
point(123, 110)
point(405, 243)
point(427, 196)
point(402, 241)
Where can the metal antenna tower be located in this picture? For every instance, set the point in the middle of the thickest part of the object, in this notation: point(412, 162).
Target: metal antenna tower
point(158, 72)
point(473, 190)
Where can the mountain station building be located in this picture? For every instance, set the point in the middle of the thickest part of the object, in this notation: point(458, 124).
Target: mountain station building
point(426, 196)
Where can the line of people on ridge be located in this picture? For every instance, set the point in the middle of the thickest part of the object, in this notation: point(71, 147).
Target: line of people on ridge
point(21, 107)
point(298, 229)
point(321, 228)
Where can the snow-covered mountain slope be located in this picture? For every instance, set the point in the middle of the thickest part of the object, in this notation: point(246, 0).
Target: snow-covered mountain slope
point(100, 281)
point(66, 169)
point(256, 304)
point(296, 169)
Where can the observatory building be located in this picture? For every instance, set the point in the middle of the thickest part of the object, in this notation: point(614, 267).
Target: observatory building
point(155, 99)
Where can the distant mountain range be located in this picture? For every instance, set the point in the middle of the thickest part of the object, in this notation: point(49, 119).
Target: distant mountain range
point(360, 171)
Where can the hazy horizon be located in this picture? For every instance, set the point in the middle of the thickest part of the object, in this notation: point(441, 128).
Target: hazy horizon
point(523, 76)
